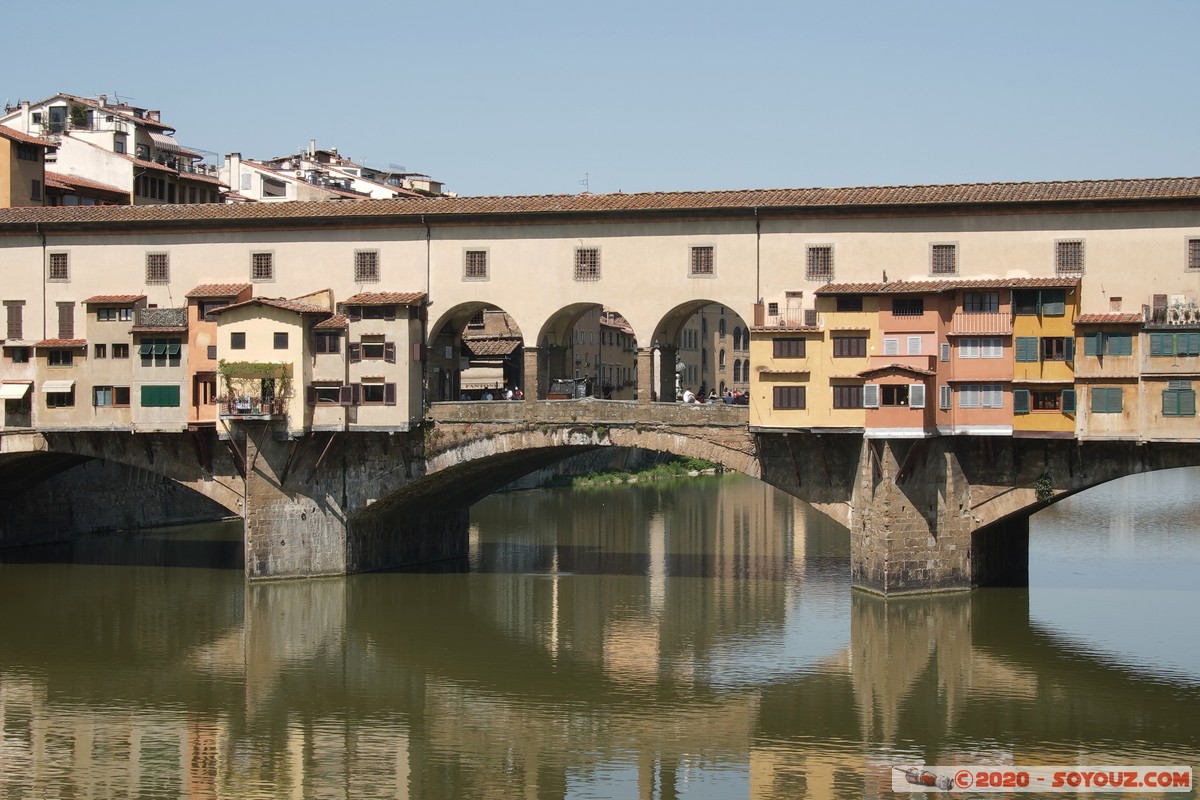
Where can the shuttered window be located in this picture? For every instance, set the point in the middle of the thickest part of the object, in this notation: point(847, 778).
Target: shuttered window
point(1179, 399)
point(788, 348)
point(1026, 348)
point(789, 397)
point(1106, 400)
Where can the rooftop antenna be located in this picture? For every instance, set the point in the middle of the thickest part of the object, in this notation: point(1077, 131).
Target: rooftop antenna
point(584, 183)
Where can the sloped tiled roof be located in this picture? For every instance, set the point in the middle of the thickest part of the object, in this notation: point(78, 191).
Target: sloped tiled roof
point(62, 343)
point(384, 299)
point(277, 302)
point(492, 347)
point(15, 135)
point(218, 290)
point(1111, 318)
point(866, 373)
point(931, 197)
point(63, 181)
point(937, 286)
point(115, 298)
point(336, 322)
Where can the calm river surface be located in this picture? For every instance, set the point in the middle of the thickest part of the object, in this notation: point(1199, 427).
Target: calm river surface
point(697, 639)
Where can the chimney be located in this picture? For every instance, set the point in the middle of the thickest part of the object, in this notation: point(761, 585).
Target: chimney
point(104, 101)
point(154, 115)
point(312, 147)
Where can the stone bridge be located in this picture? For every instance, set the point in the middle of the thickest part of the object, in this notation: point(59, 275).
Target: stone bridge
point(924, 515)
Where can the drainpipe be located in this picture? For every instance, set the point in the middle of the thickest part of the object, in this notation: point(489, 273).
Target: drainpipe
point(37, 226)
point(425, 350)
point(757, 254)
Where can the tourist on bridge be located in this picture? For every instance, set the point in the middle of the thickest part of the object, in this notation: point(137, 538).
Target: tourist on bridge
point(688, 396)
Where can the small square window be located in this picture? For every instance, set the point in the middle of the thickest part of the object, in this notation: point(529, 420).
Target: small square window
point(120, 350)
point(587, 264)
point(59, 269)
point(943, 259)
point(158, 268)
point(702, 261)
point(262, 267)
point(281, 340)
point(237, 341)
point(1068, 258)
point(100, 350)
point(475, 265)
point(819, 263)
point(366, 266)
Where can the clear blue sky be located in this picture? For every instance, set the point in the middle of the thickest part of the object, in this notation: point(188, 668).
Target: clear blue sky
point(529, 97)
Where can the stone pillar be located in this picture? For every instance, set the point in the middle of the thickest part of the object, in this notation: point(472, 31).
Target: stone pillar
point(289, 533)
point(910, 528)
point(666, 373)
point(645, 374)
point(533, 382)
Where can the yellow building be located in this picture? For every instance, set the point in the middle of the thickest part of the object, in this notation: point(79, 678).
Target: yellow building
point(22, 168)
point(1044, 401)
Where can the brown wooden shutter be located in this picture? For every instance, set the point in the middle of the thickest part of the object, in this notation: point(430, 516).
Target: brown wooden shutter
point(354, 313)
point(310, 394)
point(389, 394)
point(346, 395)
point(389, 313)
point(66, 320)
point(354, 349)
point(356, 394)
point(389, 352)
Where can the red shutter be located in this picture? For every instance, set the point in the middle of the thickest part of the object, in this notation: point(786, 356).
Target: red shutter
point(389, 352)
point(355, 351)
point(346, 395)
point(389, 394)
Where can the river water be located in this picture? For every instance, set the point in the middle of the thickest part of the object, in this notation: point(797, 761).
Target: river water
point(694, 638)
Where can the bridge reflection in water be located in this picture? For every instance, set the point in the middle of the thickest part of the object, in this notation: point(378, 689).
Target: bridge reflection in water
point(697, 640)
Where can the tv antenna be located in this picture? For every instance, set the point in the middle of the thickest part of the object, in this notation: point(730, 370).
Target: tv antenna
point(584, 183)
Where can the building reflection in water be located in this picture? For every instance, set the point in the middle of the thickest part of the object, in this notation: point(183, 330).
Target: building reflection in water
point(647, 642)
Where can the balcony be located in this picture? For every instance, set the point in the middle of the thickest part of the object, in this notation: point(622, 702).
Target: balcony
point(254, 390)
point(994, 323)
point(792, 318)
point(248, 407)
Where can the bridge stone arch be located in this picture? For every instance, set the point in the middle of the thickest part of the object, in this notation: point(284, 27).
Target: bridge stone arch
point(75, 483)
point(555, 343)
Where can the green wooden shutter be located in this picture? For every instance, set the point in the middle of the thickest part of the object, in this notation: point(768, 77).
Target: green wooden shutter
point(1068, 401)
point(1020, 401)
point(1068, 348)
point(1027, 348)
point(1091, 344)
point(1159, 344)
point(1121, 344)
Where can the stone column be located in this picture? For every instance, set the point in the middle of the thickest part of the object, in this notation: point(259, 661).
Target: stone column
point(533, 382)
point(666, 373)
point(645, 374)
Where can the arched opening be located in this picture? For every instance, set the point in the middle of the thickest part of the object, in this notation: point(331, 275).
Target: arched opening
point(476, 352)
point(587, 350)
point(693, 338)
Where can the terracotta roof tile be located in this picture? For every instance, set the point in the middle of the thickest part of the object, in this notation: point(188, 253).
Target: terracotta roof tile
point(492, 347)
point(336, 322)
point(115, 298)
point(788, 200)
point(218, 290)
point(25, 138)
point(1109, 319)
point(866, 373)
point(276, 302)
point(64, 181)
point(384, 299)
point(148, 164)
point(62, 343)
